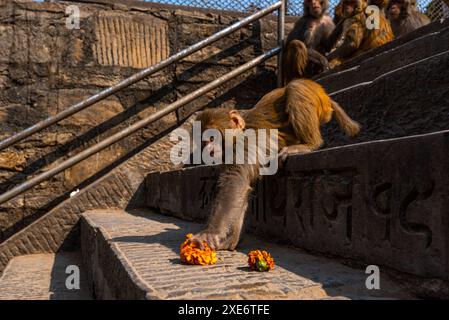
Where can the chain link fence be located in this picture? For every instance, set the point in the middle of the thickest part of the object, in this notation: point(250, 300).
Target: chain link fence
point(435, 9)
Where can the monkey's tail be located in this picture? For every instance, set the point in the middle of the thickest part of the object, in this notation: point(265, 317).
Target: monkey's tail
point(295, 61)
point(349, 126)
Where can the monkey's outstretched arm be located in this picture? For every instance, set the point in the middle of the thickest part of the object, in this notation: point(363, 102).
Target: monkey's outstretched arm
point(224, 226)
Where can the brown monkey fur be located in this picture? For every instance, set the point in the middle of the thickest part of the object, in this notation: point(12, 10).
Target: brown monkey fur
point(297, 111)
point(348, 34)
point(405, 17)
point(304, 50)
point(351, 37)
point(377, 37)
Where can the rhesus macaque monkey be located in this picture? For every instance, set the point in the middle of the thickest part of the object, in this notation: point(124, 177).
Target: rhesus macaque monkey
point(348, 34)
point(351, 36)
point(376, 37)
point(304, 50)
point(338, 10)
point(404, 17)
point(296, 111)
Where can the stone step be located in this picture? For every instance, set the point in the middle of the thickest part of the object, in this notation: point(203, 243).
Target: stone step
point(42, 277)
point(135, 255)
point(383, 202)
point(410, 100)
point(415, 46)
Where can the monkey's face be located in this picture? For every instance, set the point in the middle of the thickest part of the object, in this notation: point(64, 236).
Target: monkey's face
point(212, 148)
point(214, 123)
point(349, 8)
point(315, 7)
point(394, 10)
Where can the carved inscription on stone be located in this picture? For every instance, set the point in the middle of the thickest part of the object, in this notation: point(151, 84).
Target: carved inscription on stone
point(127, 43)
point(319, 205)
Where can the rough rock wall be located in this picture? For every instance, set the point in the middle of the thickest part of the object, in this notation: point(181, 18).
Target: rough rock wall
point(45, 67)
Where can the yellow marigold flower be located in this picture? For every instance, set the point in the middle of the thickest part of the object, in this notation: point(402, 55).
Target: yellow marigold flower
point(191, 254)
point(260, 261)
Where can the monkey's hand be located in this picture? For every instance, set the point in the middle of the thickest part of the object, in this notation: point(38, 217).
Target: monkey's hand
point(318, 59)
point(334, 62)
point(295, 149)
point(283, 156)
point(212, 239)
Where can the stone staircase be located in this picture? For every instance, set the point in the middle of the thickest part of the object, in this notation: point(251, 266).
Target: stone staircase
point(400, 89)
point(135, 255)
point(382, 201)
point(42, 277)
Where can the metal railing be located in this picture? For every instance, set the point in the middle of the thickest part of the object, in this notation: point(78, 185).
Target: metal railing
point(21, 188)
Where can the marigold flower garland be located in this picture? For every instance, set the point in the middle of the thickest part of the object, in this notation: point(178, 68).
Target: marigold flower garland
point(192, 254)
point(260, 261)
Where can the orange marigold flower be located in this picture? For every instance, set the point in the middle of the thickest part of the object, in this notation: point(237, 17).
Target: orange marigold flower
point(260, 261)
point(191, 254)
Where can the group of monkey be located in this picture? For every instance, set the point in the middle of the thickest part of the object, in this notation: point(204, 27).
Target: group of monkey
point(301, 106)
point(318, 42)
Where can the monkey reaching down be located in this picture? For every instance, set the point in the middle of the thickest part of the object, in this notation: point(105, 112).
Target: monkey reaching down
point(296, 111)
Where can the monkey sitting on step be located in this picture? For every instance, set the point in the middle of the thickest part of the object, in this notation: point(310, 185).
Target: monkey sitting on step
point(304, 52)
point(405, 17)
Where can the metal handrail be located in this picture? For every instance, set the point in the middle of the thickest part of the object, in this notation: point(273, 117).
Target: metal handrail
point(135, 127)
point(136, 77)
point(155, 116)
point(281, 36)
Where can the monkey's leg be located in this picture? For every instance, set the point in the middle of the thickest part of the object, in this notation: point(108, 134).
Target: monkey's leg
point(222, 231)
point(303, 117)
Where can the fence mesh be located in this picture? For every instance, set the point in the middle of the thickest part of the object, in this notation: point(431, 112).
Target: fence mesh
point(435, 9)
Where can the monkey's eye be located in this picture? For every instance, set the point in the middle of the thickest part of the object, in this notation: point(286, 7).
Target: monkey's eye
point(211, 139)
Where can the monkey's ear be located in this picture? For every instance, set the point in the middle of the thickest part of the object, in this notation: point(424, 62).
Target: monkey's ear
point(237, 119)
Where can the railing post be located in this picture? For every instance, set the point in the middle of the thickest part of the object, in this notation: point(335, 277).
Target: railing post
point(281, 35)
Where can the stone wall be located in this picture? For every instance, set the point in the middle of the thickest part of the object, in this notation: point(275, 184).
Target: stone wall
point(45, 67)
